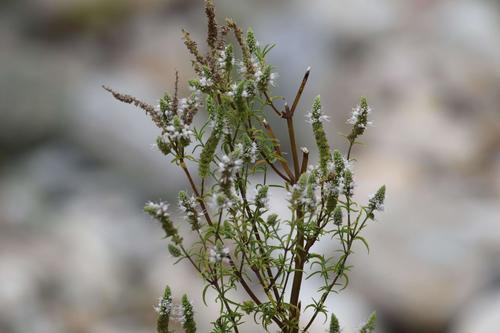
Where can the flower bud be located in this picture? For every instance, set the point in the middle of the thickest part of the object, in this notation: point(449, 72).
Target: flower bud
point(174, 251)
point(359, 119)
point(229, 58)
point(316, 118)
point(165, 103)
point(262, 199)
point(188, 322)
point(348, 183)
point(376, 201)
point(188, 206)
point(272, 219)
point(251, 41)
point(159, 211)
point(163, 145)
point(334, 324)
point(164, 307)
point(369, 327)
point(263, 81)
point(337, 216)
point(338, 162)
point(248, 306)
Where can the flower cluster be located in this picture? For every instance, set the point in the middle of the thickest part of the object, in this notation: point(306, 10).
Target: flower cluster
point(157, 209)
point(342, 181)
point(359, 119)
point(376, 201)
point(164, 305)
point(182, 313)
point(316, 115)
point(221, 201)
point(205, 82)
point(228, 166)
point(261, 197)
point(226, 59)
point(316, 118)
point(224, 195)
point(186, 317)
point(178, 129)
point(305, 191)
point(218, 254)
point(359, 116)
point(188, 206)
point(247, 151)
point(176, 117)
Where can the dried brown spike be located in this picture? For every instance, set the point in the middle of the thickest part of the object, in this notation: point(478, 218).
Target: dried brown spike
point(221, 44)
point(244, 48)
point(149, 109)
point(192, 47)
point(175, 101)
point(212, 24)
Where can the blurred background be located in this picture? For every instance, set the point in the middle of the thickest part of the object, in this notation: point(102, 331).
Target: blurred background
point(76, 252)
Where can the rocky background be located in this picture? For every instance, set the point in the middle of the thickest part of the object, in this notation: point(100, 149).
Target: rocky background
point(76, 253)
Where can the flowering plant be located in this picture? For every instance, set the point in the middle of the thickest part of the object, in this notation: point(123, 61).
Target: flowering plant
point(240, 243)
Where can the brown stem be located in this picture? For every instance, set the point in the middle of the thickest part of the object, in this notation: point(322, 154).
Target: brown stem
point(195, 190)
point(277, 148)
point(298, 273)
point(271, 103)
point(305, 160)
point(293, 142)
point(300, 91)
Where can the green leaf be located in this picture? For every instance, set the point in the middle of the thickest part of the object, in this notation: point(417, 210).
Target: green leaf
point(364, 242)
point(204, 294)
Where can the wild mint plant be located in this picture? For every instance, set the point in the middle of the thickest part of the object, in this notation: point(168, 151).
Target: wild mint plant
point(232, 162)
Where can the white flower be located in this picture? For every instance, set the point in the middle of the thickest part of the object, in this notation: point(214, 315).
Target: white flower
point(217, 255)
point(314, 117)
point(182, 131)
point(253, 152)
point(182, 104)
point(220, 201)
point(258, 75)
point(177, 313)
point(205, 82)
point(233, 91)
point(305, 194)
point(261, 198)
point(190, 204)
point(243, 68)
point(228, 165)
point(356, 113)
point(272, 79)
point(160, 209)
point(222, 58)
point(346, 189)
point(164, 306)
